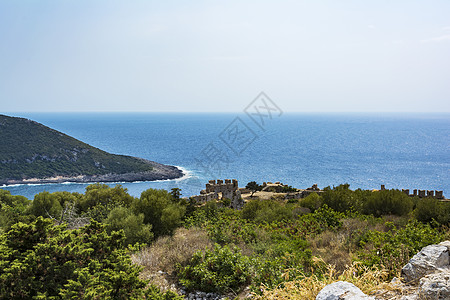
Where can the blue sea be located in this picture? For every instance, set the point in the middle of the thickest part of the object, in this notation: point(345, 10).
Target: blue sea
point(410, 151)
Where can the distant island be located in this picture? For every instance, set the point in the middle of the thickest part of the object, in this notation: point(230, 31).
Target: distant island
point(33, 153)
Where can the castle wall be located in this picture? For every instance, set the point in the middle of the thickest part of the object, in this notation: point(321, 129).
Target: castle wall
point(219, 189)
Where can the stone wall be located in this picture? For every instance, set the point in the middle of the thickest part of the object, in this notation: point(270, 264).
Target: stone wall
point(218, 190)
point(424, 193)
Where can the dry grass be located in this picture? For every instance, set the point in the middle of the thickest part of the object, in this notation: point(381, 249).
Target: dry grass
point(161, 258)
point(337, 248)
point(367, 279)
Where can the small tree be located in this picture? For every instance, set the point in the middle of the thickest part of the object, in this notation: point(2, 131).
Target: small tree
point(253, 187)
point(176, 193)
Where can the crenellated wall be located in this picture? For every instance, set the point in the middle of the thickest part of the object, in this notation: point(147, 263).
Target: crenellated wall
point(218, 190)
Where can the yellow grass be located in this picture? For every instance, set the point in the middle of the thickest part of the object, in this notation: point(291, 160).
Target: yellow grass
point(307, 287)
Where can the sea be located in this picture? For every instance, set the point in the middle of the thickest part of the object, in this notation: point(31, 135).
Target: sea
point(365, 150)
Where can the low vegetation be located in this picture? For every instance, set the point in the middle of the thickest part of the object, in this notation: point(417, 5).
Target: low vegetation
point(107, 244)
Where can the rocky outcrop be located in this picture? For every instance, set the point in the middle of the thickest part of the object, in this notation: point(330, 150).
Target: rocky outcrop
point(436, 285)
point(158, 172)
point(427, 261)
point(425, 276)
point(342, 290)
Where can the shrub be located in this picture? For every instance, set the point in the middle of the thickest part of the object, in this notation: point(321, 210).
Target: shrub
point(122, 218)
point(102, 194)
point(13, 209)
point(339, 198)
point(328, 217)
point(388, 202)
point(46, 205)
point(218, 270)
point(312, 201)
point(266, 211)
point(394, 248)
point(41, 260)
point(430, 209)
point(160, 210)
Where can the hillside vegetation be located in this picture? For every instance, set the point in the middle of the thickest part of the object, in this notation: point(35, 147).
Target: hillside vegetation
point(31, 150)
point(272, 248)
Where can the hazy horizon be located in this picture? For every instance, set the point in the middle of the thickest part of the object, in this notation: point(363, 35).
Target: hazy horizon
point(210, 56)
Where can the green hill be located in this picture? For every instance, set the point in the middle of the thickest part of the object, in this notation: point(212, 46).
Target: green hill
point(32, 152)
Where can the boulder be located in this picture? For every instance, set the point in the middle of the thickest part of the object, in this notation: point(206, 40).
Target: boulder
point(436, 285)
point(445, 244)
point(342, 290)
point(427, 261)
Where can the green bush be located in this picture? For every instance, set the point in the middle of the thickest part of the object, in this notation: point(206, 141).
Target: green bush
point(46, 205)
point(312, 201)
point(104, 195)
point(13, 209)
point(41, 260)
point(290, 254)
point(430, 209)
point(388, 202)
point(218, 270)
point(394, 248)
point(339, 198)
point(160, 210)
point(266, 211)
point(122, 218)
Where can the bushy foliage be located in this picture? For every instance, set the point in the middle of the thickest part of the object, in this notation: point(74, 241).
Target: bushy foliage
point(312, 201)
point(393, 249)
point(13, 209)
point(218, 270)
point(160, 210)
point(287, 189)
point(266, 211)
point(41, 260)
point(339, 198)
point(388, 202)
point(122, 218)
point(433, 210)
point(103, 197)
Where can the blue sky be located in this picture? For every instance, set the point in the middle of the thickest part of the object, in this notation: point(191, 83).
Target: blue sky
point(201, 56)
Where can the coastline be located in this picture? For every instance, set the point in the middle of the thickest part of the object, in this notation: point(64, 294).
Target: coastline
point(159, 172)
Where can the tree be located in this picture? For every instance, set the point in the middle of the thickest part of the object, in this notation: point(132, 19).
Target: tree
point(253, 187)
point(176, 193)
point(160, 210)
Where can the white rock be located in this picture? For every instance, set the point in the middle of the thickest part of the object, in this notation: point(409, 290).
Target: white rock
point(409, 297)
point(445, 244)
point(427, 261)
point(342, 290)
point(436, 285)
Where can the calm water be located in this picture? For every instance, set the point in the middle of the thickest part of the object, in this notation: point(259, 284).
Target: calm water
point(364, 150)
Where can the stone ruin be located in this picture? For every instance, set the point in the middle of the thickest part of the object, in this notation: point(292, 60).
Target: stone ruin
point(304, 193)
point(423, 193)
point(219, 190)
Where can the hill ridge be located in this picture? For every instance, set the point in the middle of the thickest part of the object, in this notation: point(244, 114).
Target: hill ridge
point(31, 152)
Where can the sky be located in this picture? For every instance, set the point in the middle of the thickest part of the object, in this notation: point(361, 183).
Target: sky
point(217, 56)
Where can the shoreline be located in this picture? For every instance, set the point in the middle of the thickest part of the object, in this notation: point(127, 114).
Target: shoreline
point(163, 172)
